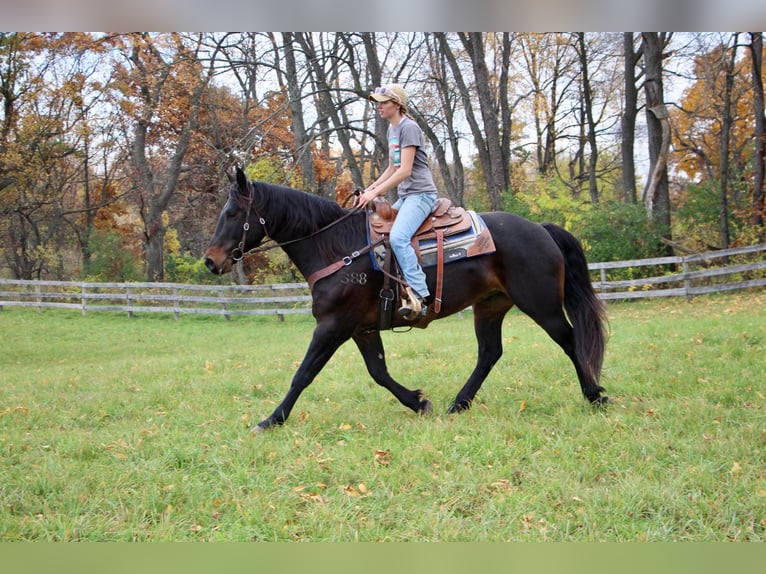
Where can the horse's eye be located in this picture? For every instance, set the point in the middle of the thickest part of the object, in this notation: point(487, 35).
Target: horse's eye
point(231, 209)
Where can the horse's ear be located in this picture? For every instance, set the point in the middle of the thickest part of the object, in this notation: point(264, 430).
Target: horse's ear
point(241, 180)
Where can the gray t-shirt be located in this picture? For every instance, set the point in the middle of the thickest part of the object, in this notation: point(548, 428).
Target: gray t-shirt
point(408, 133)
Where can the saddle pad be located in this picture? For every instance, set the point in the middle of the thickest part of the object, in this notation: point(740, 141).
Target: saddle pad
point(475, 241)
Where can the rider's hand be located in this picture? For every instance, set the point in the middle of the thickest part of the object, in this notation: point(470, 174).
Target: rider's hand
point(366, 197)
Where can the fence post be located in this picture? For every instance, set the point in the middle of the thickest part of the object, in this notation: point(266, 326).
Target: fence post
point(176, 304)
point(224, 306)
point(83, 291)
point(687, 281)
point(128, 301)
point(38, 298)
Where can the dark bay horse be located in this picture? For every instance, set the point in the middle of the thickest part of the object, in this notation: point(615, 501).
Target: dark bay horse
point(539, 268)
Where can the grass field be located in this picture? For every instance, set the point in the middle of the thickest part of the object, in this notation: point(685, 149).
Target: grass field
point(121, 429)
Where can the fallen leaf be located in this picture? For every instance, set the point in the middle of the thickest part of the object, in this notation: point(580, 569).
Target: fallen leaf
point(351, 491)
point(502, 485)
point(735, 468)
point(345, 426)
point(382, 457)
point(522, 406)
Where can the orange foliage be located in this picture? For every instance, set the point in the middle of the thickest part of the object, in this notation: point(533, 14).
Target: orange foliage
point(697, 124)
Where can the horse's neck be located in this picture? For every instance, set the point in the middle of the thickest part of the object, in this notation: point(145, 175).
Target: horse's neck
point(306, 255)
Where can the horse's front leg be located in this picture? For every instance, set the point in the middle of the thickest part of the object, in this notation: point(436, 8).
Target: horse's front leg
point(488, 324)
point(371, 347)
point(325, 341)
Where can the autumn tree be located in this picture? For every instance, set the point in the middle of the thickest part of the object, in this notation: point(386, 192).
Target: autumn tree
point(713, 135)
point(164, 82)
point(57, 164)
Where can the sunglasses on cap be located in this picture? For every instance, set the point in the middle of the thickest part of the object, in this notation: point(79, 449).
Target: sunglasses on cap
point(384, 91)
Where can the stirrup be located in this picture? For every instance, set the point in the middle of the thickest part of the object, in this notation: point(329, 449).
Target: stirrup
point(412, 308)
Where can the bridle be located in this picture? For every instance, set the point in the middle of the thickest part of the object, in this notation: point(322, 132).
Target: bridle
point(246, 227)
point(238, 253)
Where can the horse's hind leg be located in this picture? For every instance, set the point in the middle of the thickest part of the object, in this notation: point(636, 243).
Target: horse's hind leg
point(558, 328)
point(488, 324)
point(371, 347)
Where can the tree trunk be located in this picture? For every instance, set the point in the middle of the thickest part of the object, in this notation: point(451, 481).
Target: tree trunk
point(380, 155)
point(657, 194)
point(756, 51)
point(496, 177)
point(591, 134)
point(465, 96)
point(302, 141)
point(628, 121)
point(726, 125)
point(506, 110)
point(452, 174)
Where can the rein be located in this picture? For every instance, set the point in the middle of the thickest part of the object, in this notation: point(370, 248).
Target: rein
point(246, 227)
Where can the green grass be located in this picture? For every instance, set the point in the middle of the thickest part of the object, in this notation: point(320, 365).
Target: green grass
point(123, 429)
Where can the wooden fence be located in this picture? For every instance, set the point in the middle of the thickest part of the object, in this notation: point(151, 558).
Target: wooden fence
point(717, 271)
point(176, 298)
point(687, 276)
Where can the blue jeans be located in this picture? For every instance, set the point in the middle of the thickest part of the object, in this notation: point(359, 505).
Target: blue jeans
point(413, 211)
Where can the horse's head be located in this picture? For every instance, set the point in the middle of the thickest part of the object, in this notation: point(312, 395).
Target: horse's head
point(238, 230)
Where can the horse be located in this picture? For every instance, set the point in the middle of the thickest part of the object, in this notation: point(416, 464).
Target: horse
point(539, 268)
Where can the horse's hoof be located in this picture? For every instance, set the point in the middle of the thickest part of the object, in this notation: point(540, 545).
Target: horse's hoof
point(258, 429)
point(600, 401)
point(456, 408)
point(426, 408)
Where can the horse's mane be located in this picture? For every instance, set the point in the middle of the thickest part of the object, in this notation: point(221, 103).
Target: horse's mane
point(295, 213)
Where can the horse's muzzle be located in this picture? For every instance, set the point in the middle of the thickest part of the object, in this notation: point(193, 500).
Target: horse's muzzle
point(210, 264)
point(216, 260)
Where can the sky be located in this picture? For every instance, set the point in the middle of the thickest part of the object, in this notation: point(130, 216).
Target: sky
point(389, 15)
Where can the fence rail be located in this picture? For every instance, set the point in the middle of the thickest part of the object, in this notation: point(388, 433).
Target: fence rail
point(710, 272)
point(739, 268)
point(177, 298)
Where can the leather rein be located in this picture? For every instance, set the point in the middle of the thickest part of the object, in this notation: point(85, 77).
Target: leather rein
point(238, 253)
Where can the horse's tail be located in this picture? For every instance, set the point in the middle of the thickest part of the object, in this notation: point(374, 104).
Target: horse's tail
point(586, 311)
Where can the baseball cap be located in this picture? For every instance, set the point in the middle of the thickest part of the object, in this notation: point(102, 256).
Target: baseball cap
point(390, 92)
